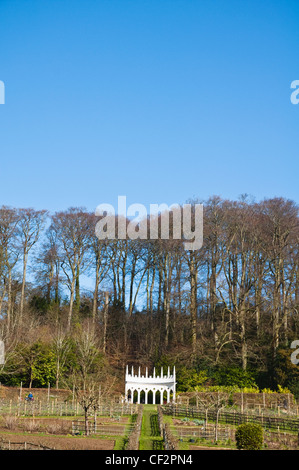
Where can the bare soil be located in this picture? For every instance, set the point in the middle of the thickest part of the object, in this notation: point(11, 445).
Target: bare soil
point(61, 442)
point(57, 432)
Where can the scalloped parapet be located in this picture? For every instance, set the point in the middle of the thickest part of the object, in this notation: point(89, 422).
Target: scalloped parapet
point(145, 384)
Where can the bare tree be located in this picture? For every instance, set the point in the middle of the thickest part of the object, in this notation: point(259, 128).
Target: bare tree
point(30, 225)
point(212, 401)
point(9, 256)
point(73, 229)
point(281, 233)
point(61, 348)
point(87, 395)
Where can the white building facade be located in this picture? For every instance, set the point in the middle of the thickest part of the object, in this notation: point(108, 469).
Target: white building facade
point(149, 388)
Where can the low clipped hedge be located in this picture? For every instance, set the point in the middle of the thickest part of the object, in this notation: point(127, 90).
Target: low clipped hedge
point(249, 436)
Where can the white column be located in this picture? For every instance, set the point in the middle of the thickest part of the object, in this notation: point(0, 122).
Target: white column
point(154, 397)
point(168, 395)
point(138, 397)
point(174, 383)
point(145, 397)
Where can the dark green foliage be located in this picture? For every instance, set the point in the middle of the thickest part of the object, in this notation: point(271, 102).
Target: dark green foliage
point(293, 386)
point(286, 373)
point(249, 436)
point(36, 364)
point(234, 376)
point(188, 379)
point(39, 304)
point(33, 365)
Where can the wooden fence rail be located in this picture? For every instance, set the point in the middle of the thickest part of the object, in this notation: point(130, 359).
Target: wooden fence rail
point(61, 408)
point(191, 433)
point(8, 445)
point(78, 427)
point(170, 442)
point(133, 442)
point(235, 418)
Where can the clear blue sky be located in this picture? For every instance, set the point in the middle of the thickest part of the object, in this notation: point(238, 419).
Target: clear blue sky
point(158, 100)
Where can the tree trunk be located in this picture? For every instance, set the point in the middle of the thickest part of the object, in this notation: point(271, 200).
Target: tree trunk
point(105, 321)
point(25, 259)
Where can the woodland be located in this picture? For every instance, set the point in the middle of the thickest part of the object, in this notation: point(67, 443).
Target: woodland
point(224, 315)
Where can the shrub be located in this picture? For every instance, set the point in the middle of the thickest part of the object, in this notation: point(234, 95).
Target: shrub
point(198, 422)
point(10, 422)
point(235, 377)
point(190, 379)
point(249, 436)
point(283, 389)
point(294, 388)
point(58, 427)
point(30, 425)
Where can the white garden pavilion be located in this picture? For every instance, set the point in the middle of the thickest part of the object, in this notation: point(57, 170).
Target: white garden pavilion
point(149, 385)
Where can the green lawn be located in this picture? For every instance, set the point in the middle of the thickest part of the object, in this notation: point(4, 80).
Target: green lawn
point(150, 438)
